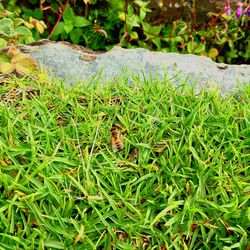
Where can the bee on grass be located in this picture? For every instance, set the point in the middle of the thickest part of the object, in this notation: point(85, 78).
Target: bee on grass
point(116, 139)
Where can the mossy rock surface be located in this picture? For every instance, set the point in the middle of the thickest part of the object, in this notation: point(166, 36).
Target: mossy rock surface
point(74, 64)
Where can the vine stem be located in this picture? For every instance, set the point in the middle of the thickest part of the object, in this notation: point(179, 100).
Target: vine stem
point(59, 18)
point(125, 35)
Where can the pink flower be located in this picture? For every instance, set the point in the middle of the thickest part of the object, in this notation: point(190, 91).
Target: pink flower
point(239, 12)
point(227, 9)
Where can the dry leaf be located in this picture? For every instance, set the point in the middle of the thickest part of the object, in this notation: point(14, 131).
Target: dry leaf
point(19, 57)
point(39, 27)
point(26, 66)
point(6, 67)
point(80, 234)
point(4, 163)
point(12, 52)
point(87, 1)
point(87, 57)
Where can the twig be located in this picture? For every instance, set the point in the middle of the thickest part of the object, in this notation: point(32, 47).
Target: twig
point(122, 39)
point(59, 18)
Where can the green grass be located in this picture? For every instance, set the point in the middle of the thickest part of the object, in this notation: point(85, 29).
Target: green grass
point(63, 187)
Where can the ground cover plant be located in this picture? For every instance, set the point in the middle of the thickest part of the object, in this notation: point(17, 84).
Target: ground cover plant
point(181, 181)
point(217, 29)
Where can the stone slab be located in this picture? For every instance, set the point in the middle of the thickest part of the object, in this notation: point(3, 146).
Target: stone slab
point(67, 64)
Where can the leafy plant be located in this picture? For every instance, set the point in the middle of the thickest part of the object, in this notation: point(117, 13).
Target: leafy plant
point(13, 61)
point(70, 27)
point(12, 32)
point(15, 30)
point(102, 24)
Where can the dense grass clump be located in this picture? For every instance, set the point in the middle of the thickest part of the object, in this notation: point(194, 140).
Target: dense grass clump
point(181, 181)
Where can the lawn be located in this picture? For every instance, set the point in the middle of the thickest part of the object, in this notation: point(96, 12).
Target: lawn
point(182, 180)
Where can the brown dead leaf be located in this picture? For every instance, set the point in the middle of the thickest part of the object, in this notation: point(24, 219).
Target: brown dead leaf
point(12, 52)
point(87, 57)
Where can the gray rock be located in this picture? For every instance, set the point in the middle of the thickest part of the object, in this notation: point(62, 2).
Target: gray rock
point(64, 62)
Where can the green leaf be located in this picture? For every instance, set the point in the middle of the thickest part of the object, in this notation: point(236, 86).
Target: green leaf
point(200, 48)
point(68, 27)
point(23, 31)
point(3, 43)
point(165, 210)
point(133, 21)
point(226, 17)
point(52, 244)
point(221, 41)
point(54, 7)
point(210, 33)
point(245, 55)
point(27, 13)
point(6, 22)
point(157, 42)
point(232, 53)
point(176, 39)
point(4, 58)
point(156, 30)
point(230, 43)
point(142, 4)
point(59, 29)
point(75, 35)
point(146, 26)
point(18, 21)
point(38, 14)
point(80, 21)
point(26, 40)
point(6, 27)
point(143, 45)
point(202, 32)
point(64, 35)
point(190, 47)
point(130, 10)
point(4, 12)
point(142, 15)
point(151, 31)
point(54, 38)
point(213, 52)
point(195, 48)
point(68, 15)
point(33, 1)
point(134, 35)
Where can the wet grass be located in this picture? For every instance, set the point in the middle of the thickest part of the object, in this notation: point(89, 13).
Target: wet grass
point(181, 181)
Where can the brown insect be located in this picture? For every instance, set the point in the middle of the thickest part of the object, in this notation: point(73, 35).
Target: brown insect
point(116, 139)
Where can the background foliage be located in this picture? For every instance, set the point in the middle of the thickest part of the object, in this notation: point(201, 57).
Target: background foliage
point(101, 24)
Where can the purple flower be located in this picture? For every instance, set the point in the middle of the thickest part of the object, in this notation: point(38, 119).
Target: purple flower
point(239, 12)
point(247, 12)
